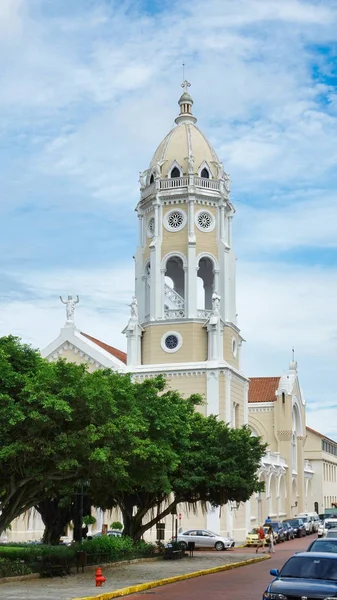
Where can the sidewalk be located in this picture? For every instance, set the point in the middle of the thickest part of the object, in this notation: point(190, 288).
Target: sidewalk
point(83, 584)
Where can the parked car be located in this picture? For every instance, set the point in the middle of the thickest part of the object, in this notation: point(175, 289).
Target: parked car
point(332, 533)
point(288, 530)
point(323, 545)
point(279, 530)
point(325, 526)
point(110, 533)
point(298, 527)
point(205, 539)
point(252, 537)
point(305, 575)
point(313, 517)
point(308, 524)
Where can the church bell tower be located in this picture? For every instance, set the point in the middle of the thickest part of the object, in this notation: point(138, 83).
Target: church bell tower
point(185, 264)
point(183, 314)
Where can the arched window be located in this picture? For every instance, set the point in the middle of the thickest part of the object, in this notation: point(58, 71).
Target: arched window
point(175, 172)
point(206, 286)
point(204, 173)
point(151, 178)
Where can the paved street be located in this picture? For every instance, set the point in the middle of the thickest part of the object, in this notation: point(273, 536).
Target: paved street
point(245, 583)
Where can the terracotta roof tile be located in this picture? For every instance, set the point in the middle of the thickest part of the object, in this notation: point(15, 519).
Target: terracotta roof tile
point(116, 353)
point(262, 389)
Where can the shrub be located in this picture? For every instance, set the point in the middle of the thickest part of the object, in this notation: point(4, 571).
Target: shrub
point(118, 548)
point(116, 525)
point(89, 520)
point(10, 568)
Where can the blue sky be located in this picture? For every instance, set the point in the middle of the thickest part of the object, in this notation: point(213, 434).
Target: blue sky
point(88, 90)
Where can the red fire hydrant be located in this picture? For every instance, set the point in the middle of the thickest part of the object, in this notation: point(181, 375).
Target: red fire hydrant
point(100, 579)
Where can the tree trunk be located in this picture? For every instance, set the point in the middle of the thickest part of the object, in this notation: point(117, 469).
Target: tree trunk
point(55, 519)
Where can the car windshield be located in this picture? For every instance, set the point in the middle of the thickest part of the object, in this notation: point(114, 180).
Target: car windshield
point(253, 532)
point(294, 522)
point(308, 567)
point(330, 525)
point(325, 545)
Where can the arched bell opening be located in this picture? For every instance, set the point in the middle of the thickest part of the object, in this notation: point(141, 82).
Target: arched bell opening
point(174, 288)
point(205, 283)
point(175, 275)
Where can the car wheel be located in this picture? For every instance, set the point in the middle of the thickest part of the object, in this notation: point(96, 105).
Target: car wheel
point(219, 546)
point(183, 546)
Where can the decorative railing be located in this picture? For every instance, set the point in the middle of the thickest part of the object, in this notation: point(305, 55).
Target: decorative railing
point(210, 184)
point(174, 297)
point(203, 314)
point(174, 314)
point(177, 182)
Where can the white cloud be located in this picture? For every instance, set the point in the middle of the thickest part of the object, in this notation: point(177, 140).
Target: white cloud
point(86, 96)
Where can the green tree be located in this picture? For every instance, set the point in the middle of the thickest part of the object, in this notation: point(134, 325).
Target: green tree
point(209, 462)
point(58, 424)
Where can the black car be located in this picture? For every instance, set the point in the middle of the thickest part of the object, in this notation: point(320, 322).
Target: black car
point(298, 527)
point(278, 529)
point(288, 530)
point(305, 575)
point(323, 545)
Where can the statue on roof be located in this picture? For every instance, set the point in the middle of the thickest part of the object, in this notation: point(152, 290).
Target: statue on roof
point(142, 179)
point(70, 307)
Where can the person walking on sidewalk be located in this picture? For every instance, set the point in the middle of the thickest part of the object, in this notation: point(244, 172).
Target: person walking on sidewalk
point(261, 538)
point(270, 534)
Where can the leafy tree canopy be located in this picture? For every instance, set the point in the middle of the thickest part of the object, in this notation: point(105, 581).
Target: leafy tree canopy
point(138, 446)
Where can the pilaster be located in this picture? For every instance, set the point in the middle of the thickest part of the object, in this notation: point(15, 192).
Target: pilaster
point(212, 393)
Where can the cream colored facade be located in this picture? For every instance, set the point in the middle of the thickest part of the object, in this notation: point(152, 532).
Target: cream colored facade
point(321, 452)
point(189, 333)
point(277, 414)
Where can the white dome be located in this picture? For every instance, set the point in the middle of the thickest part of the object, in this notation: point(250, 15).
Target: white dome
point(184, 141)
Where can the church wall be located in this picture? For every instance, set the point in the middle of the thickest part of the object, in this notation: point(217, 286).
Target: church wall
point(194, 347)
point(206, 241)
point(174, 240)
point(229, 335)
point(78, 359)
point(237, 397)
point(187, 384)
point(266, 417)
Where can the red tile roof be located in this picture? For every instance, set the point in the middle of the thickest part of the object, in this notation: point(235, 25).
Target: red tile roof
point(262, 389)
point(117, 353)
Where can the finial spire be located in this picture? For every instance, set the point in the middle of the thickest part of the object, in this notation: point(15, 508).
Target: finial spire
point(185, 103)
point(293, 364)
point(185, 84)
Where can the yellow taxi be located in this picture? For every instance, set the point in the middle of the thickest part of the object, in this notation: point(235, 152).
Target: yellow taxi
point(252, 537)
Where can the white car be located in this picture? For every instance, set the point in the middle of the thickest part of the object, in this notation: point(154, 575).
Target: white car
point(203, 538)
point(325, 526)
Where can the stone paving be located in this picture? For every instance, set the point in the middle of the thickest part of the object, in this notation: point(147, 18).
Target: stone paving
point(83, 584)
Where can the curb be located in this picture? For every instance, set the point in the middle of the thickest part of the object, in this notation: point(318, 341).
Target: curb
point(151, 584)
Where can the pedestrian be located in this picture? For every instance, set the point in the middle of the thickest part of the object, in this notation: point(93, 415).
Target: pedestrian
point(270, 534)
point(260, 539)
point(268, 520)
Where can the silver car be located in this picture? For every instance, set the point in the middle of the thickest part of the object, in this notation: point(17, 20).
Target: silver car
point(203, 538)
